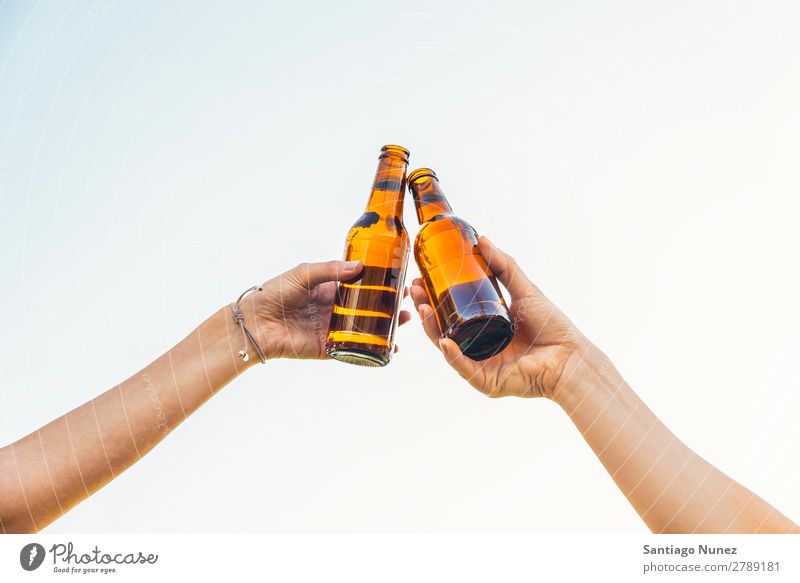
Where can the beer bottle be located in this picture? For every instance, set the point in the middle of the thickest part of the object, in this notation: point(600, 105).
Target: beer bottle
point(468, 304)
point(365, 311)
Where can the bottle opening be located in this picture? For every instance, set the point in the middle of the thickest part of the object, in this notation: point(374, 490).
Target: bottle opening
point(393, 150)
point(421, 173)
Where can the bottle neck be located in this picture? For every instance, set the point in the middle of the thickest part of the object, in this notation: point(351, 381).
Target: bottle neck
point(428, 198)
point(389, 186)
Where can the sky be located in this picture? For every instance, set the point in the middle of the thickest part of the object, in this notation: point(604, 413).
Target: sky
point(638, 159)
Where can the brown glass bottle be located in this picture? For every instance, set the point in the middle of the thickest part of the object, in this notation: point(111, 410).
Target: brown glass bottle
point(468, 304)
point(365, 310)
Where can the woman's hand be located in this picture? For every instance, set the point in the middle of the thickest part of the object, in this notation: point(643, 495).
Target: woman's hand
point(293, 310)
point(547, 349)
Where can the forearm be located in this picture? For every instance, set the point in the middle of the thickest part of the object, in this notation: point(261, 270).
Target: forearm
point(47, 472)
point(670, 487)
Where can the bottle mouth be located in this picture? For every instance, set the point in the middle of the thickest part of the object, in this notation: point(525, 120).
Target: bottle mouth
point(394, 150)
point(421, 173)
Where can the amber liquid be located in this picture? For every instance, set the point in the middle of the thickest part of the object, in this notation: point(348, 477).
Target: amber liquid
point(363, 318)
point(469, 306)
point(364, 315)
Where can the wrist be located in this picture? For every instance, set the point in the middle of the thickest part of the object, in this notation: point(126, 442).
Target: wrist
point(246, 343)
point(259, 318)
point(220, 340)
point(587, 372)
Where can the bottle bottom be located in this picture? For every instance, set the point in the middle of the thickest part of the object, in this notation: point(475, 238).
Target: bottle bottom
point(482, 337)
point(357, 355)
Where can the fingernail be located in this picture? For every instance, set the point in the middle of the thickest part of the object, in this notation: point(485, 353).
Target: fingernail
point(442, 346)
point(487, 239)
point(351, 265)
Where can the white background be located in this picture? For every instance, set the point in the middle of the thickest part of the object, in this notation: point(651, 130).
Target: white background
point(356, 558)
point(639, 159)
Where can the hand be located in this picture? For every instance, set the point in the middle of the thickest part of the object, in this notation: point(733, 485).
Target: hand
point(545, 352)
point(294, 309)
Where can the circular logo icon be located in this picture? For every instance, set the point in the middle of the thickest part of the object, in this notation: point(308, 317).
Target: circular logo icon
point(31, 556)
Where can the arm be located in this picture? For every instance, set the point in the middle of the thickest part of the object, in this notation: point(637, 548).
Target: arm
point(46, 473)
point(49, 471)
point(672, 488)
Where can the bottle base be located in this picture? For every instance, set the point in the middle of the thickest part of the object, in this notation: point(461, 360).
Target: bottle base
point(357, 357)
point(482, 338)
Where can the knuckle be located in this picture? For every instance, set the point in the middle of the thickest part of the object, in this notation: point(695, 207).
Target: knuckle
point(512, 264)
point(297, 275)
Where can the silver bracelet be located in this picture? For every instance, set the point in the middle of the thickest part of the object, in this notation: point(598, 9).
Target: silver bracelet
point(246, 335)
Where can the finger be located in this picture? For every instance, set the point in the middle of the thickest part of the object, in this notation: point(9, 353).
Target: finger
point(309, 275)
point(505, 269)
point(419, 295)
point(464, 366)
point(429, 325)
point(425, 311)
point(404, 317)
point(406, 291)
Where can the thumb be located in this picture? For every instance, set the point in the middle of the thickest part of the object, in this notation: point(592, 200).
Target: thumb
point(310, 275)
point(533, 306)
point(506, 269)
